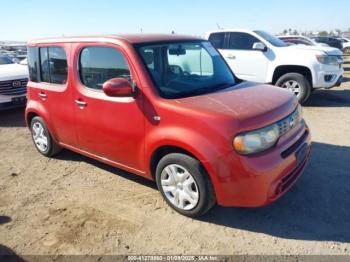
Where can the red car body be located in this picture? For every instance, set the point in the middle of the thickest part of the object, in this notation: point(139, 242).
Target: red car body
point(131, 132)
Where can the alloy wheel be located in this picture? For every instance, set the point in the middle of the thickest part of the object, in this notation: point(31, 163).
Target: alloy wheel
point(292, 86)
point(40, 137)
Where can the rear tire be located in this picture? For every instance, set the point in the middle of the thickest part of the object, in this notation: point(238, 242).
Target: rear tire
point(296, 83)
point(185, 185)
point(42, 138)
point(346, 50)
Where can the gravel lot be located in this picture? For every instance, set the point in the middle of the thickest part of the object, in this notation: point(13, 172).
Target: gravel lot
point(74, 205)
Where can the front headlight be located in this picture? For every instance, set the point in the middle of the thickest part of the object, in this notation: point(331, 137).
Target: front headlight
point(328, 60)
point(256, 141)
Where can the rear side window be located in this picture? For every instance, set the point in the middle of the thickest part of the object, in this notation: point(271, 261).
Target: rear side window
point(53, 65)
point(58, 65)
point(33, 58)
point(242, 41)
point(217, 40)
point(44, 65)
point(100, 64)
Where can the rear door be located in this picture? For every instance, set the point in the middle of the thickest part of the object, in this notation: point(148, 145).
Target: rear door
point(52, 91)
point(109, 127)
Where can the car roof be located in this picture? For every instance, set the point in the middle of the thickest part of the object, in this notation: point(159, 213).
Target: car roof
point(293, 36)
point(296, 39)
point(227, 30)
point(332, 38)
point(130, 38)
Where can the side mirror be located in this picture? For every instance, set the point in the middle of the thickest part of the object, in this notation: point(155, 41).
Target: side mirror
point(259, 47)
point(118, 87)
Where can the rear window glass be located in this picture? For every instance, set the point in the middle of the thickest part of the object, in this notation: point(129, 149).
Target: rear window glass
point(58, 65)
point(217, 40)
point(53, 65)
point(44, 65)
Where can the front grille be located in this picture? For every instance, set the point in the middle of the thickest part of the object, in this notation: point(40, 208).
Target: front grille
point(289, 122)
point(13, 87)
point(286, 153)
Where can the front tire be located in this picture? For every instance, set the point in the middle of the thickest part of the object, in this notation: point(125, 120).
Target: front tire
point(185, 185)
point(42, 138)
point(346, 50)
point(296, 83)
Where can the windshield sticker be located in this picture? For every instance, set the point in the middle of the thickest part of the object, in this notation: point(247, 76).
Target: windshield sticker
point(211, 50)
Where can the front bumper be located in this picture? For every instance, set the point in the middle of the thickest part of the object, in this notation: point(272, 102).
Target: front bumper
point(328, 78)
point(255, 181)
point(13, 104)
point(338, 83)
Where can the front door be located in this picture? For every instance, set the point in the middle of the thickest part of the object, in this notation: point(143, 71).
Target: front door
point(109, 127)
point(246, 63)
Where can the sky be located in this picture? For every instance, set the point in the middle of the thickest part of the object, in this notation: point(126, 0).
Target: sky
point(30, 19)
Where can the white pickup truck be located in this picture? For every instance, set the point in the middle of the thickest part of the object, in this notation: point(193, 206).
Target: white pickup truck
point(261, 57)
point(13, 83)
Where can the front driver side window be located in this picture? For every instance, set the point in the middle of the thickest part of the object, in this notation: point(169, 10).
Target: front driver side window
point(242, 41)
point(100, 64)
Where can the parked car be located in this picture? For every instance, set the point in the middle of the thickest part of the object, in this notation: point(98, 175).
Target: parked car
point(261, 57)
point(10, 55)
point(331, 41)
point(24, 62)
point(167, 108)
point(13, 82)
point(346, 44)
point(21, 54)
point(296, 42)
point(300, 39)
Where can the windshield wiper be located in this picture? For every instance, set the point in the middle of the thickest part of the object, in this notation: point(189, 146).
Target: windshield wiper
point(204, 90)
point(220, 86)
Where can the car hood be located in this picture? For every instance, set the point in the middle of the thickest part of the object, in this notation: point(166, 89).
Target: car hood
point(253, 105)
point(326, 49)
point(13, 71)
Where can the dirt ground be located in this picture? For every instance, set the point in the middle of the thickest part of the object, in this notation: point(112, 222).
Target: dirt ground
point(74, 205)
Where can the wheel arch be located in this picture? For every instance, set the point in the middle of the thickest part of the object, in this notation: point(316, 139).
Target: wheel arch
point(34, 109)
point(29, 116)
point(284, 69)
point(163, 150)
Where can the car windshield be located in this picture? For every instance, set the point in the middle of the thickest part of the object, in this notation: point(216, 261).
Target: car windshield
point(271, 39)
point(182, 69)
point(4, 60)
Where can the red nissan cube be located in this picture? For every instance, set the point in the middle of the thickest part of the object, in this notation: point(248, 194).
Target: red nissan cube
point(168, 108)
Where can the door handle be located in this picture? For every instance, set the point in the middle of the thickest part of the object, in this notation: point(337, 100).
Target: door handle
point(42, 95)
point(231, 56)
point(80, 103)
